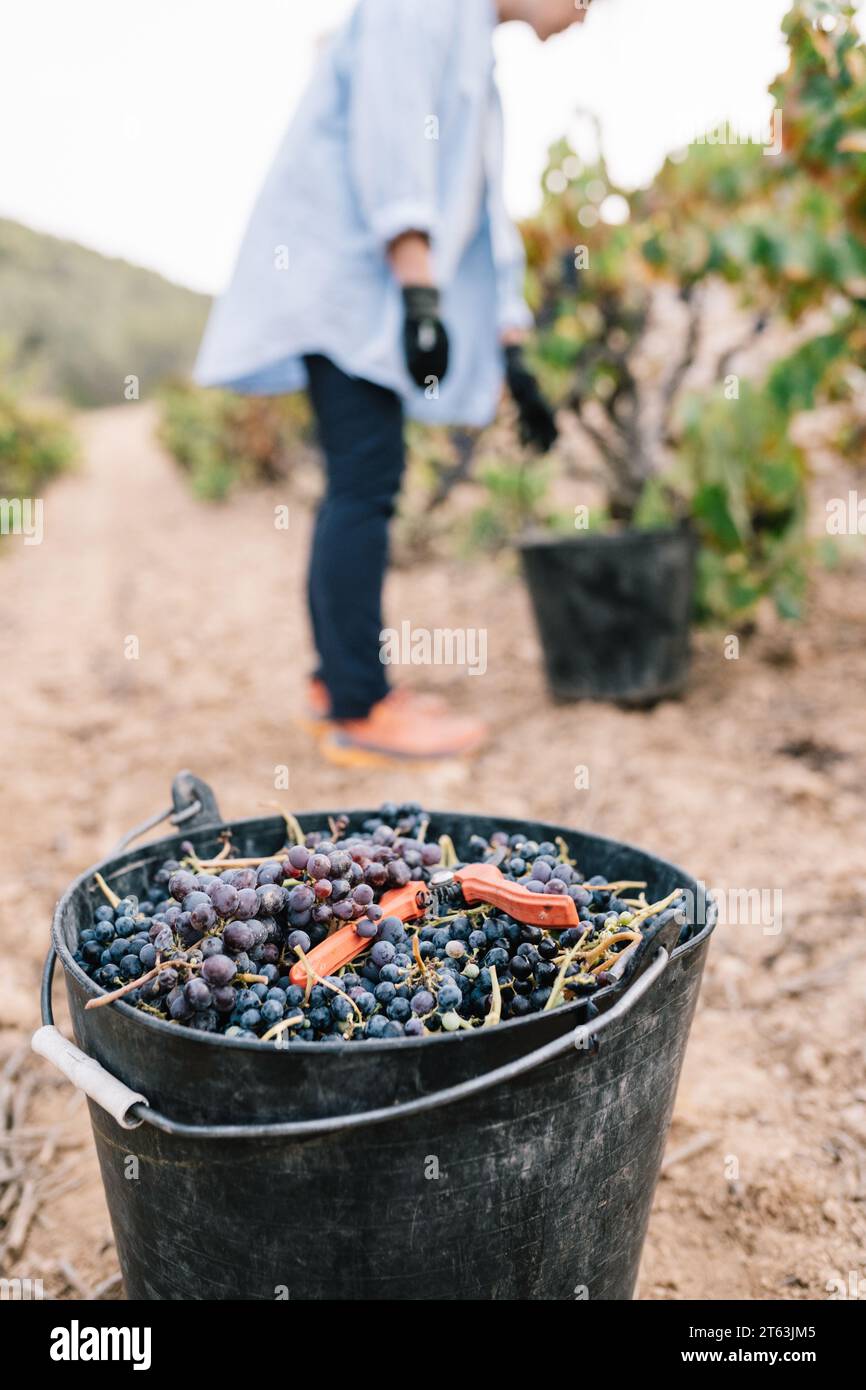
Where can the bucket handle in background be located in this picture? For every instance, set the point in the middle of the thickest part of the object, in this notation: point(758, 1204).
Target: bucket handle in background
point(130, 1109)
point(194, 805)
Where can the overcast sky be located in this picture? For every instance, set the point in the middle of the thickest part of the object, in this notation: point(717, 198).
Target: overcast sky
point(144, 130)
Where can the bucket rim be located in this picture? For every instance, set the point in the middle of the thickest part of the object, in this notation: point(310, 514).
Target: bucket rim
point(372, 1045)
point(630, 536)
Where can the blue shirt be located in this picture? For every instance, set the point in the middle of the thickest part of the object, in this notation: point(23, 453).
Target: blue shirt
point(400, 129)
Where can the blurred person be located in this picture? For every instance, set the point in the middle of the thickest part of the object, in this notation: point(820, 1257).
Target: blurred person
point(381, 272)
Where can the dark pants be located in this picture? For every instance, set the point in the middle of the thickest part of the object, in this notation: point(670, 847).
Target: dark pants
point(361, 432)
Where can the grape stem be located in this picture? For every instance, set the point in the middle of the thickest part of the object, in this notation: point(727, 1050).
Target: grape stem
point(615, 887)
point(556, 991)
point(281, 1027)
point(313, 975)
point(152, 974)
point(602, 949)
point(653, 908)
point(416, 952)
point(449, 853)
point(464, 1023)
point(452, 916)
point(109, 892)
point(142, 980)
point(292, 824)
point(495, 1013)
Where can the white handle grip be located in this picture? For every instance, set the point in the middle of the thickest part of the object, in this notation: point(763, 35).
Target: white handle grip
point(87, 1075)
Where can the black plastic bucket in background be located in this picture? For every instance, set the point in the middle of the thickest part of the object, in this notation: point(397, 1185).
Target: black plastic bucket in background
point(536, 1189)
point(614, 612)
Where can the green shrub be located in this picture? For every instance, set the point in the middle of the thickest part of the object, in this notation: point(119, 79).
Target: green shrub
point(35, 446)
point(742, 482)
point(223, 441)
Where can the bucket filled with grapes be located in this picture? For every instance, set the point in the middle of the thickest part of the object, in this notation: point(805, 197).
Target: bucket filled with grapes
point(376, 1054)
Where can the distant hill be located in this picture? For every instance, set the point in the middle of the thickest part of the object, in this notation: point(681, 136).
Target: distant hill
point(74, 324)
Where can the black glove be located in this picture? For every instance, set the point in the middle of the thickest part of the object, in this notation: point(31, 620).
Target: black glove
point(425, 341)
point(537, 424)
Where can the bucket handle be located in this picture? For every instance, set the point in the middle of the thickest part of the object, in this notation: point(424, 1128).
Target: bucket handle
point(94, 1080)
point(193, 805)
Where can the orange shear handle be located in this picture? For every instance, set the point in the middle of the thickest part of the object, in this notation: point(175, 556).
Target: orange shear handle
point(484, 883)
point(344, 945)
point(481, 883)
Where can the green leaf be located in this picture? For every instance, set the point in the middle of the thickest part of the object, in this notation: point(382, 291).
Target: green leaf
point(710, 505)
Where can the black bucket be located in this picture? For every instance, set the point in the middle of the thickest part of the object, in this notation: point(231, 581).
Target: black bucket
point(614, 612)
point(515, 1162)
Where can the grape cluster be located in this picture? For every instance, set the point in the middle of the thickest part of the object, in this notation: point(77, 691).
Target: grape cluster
point(213, 946)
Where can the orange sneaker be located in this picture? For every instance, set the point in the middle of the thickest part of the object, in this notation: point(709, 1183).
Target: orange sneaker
point(401, 729)
point(319, 701)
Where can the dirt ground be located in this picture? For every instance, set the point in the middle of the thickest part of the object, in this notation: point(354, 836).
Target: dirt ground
point(754, 781)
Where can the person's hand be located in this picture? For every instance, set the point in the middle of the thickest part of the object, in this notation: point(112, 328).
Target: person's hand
point(537, 423)
point(425, 341)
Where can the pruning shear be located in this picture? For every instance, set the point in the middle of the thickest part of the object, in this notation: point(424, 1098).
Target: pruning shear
point(479, 883)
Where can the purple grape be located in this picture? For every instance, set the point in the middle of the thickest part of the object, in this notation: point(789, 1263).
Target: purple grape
point(398, 873)
point(366, 928)
point(181, 883)
point(224, 898)
point(272, 899)
point(224, 999)
point(391, 929)
point(298, 857)
point(269, 873)
point(247, 905)
point(238, 936)
point(340, 862)
point(178, 1006)
point(198, 996)
point(301, 898)
point(319, 866)
point(376, 875)
point(382, 953)
point(203, 917)
point(218, 970)
point(363, 894)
